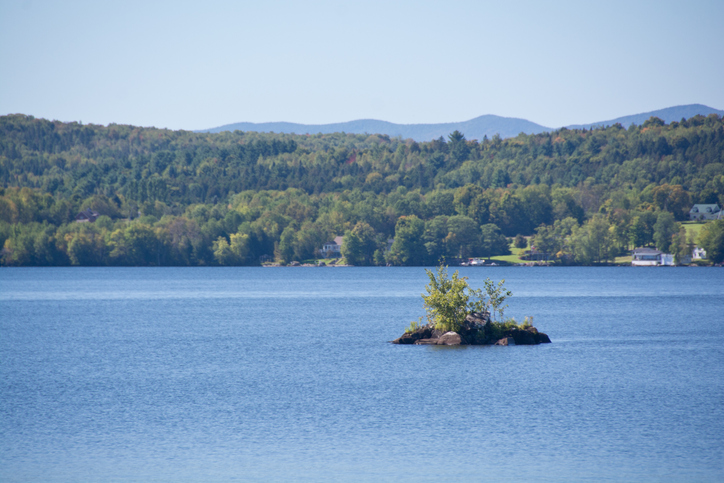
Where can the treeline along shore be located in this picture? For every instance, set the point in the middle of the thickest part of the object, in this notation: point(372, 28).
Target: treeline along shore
point(75, 194)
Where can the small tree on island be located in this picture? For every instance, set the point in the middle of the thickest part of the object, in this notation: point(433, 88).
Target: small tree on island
point(450, 299)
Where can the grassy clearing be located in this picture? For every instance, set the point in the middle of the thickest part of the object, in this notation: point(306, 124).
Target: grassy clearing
point(507, 258)
point(693, 227)
point(623, 260)
point(514, 257)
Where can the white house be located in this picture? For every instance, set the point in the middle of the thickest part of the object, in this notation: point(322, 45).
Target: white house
point(698, 254)
point(333, 248)
point(648, 257)
point(705, 212)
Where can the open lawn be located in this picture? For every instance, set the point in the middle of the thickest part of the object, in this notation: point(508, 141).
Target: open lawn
point(692, 227)
point(623, 260)
point(514, 257)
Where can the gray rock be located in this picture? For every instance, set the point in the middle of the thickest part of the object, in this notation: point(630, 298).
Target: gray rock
point(411, 337)
point(521, 337)
point(450, 338)
point(478, 318)
point(506, 341)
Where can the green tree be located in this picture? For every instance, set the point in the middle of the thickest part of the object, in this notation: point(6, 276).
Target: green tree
point(435, 233)
point(520, 242)
point(470, 201)
point(497, 294)
point(135, 245)
point(673, 199)
point(711, 239)
point(459, 149)
point(547, 241)
point(86, 248)
point(493, 242)
point(285, 248)
point(408, 247)
point(664, 229)
point(641, 229)
point(679, 246)
point(463, 238)
point(593, 242)
point(234, 253)
point(450, 299)
point(536, 204)
point(359, 245)
point(308, 240)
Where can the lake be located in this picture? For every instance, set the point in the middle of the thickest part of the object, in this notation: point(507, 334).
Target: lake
point(286, 374)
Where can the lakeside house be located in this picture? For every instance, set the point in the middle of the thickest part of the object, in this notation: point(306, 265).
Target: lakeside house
point(698, 254)
point(648, 257)
point(87, 216)
point(332, 248)
point(705, 212)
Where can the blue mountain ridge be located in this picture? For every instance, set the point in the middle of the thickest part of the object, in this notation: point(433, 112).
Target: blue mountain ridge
point(477, 128)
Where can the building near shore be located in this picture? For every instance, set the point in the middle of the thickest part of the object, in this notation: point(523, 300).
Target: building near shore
point(649, 257)
point(332, 248)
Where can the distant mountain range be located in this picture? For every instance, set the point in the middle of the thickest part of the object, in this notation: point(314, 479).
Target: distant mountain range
point(487, 125)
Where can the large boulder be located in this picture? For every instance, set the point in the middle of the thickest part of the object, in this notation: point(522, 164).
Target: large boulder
point(521, 337)
point(543, 338)
point(451, 338)
point(540, 337)
point(478, 318)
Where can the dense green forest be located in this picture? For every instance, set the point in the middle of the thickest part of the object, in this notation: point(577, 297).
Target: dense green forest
point(235, 198)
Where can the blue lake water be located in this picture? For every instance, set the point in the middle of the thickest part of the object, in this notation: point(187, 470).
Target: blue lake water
point(285, 374)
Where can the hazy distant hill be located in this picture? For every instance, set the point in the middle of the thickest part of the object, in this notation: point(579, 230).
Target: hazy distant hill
point(668, 115)
point(487, 125)
point(473, 129)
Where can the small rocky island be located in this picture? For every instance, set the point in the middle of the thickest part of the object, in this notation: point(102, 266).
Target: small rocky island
point(477, 329)
point(460, 315)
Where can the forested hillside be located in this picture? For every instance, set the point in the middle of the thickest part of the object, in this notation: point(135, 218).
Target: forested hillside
point(184, 198)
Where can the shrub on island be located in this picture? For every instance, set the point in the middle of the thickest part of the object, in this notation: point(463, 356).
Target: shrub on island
point(456, 314)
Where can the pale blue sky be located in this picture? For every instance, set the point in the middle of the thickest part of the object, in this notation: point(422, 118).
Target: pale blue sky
point(194, 65)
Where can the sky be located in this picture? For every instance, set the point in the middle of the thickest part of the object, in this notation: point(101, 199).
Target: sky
point(197, 65)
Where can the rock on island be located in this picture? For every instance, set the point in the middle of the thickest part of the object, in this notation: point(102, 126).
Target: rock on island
point(477, 329)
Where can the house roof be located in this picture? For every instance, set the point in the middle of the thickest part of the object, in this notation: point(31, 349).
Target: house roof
point(646, 251)
point(338, 240)
point(88, 213)
point(703, 208)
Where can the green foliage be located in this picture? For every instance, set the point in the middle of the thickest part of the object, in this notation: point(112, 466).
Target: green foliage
point(360, 245)
point(408, 247)
point(497, 329)
point(520, 242)
point(167, 197)
point(463, 238)
point(450, 299)
point(414, 325)
point(711, 239)
point(664, 229)
point(496, 297)
point(493, 242)
point(593, 242)
point(679, 246)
